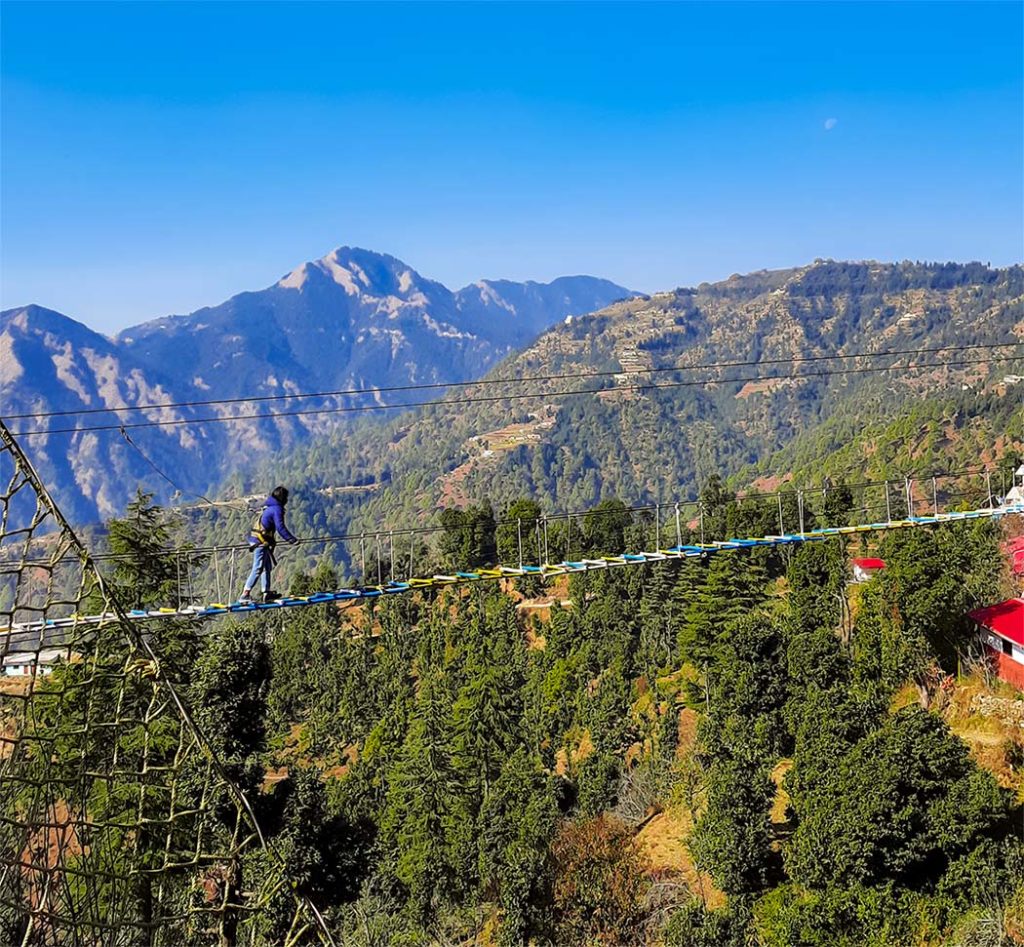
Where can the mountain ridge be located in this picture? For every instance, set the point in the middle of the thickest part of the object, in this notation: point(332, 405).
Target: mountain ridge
point(353, 319)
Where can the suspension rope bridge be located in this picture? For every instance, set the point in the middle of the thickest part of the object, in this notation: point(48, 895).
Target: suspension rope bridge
point(544, 570)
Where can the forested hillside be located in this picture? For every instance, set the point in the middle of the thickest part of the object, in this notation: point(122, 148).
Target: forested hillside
point(742, 750)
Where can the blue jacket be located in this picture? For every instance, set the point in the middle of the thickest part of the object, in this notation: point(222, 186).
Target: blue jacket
point(272, 525)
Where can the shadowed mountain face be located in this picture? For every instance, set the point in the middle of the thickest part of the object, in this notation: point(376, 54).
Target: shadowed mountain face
point(354, 319)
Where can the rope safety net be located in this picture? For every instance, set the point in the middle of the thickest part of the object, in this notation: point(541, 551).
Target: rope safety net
point(119, 825)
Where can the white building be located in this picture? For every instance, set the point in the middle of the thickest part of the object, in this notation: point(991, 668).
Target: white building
point(1016, 492)
point(31, 663)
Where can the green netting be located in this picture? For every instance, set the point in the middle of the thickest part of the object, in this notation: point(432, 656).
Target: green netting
point(118, 825)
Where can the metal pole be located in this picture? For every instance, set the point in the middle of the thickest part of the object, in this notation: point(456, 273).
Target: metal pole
point(910, 496)
point(935, 497)
point(216, 567)
point(568, 538)
point(657, 526)
point(536, 530)
point(888, 507)
point(519, 535)
point(700, 509)
point(988, 487)
point(800, 508)
point(362, 554)
point(412, 545)
point(545, 538)
point(679, 529)
point(391, 567)
point(380, 570)
point(782, 528)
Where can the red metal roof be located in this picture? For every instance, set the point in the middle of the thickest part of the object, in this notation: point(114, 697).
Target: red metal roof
point(870, 563)
point(1006, 619)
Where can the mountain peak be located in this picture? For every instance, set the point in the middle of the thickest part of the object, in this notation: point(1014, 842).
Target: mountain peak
point(36, 318)
point(359, 272)
point(351, 318)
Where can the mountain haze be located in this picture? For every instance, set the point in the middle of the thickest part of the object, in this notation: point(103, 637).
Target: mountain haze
point(353, 319)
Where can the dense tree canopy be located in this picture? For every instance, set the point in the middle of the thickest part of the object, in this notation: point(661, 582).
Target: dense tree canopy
point(450, 765)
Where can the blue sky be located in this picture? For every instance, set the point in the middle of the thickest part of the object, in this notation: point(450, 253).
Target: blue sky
point(155, 157)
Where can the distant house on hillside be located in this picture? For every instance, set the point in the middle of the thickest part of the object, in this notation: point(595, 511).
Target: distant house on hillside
point(31, 663)
point(1002, 634)
point(864, 569)
point(1016, 494)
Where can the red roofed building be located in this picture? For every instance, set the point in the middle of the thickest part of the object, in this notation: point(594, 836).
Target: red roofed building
point(863, 569)
point(1002, 633)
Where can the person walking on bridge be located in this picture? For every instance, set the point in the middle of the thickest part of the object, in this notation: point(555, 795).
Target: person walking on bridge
point(266, 529)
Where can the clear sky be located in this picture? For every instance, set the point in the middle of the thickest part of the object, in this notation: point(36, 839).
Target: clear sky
point(160, 157)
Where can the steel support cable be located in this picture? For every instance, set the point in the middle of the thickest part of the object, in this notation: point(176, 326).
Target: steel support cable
point(336, 538)
point(491, 399)
point(384, 389)
point(545, 570)
point(128, 440)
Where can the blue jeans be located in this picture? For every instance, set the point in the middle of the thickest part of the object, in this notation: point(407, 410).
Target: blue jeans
point(262, 563)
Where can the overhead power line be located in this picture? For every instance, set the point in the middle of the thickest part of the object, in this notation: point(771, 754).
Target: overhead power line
point(485, 399)
point(426, 386)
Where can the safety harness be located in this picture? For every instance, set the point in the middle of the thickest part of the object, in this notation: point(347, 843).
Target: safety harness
point(264, 537)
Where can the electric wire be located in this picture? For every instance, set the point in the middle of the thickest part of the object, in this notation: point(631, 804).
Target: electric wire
point(490, 399)
point(385, 389)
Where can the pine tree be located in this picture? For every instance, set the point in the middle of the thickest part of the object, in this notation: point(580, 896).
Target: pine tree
point(732, 838)
point(715, 501)
point(426, 830)
point(657, 644)
point(817, 585)
point(484, 722)
point(901, 805)
point(516, 825)
point(733, 587)
point(605, 527)
point(468, 541)
point(748, 691)
point(145, 573)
